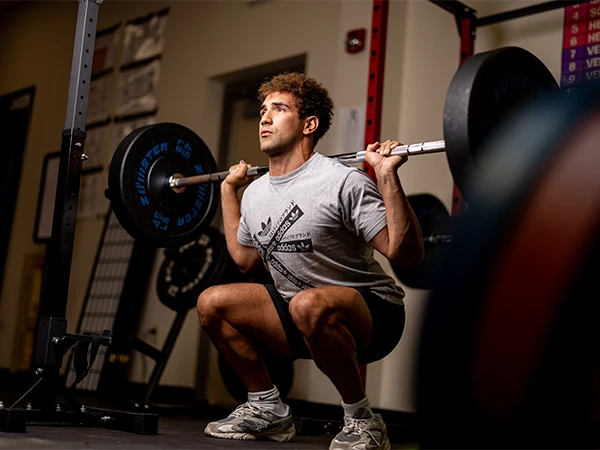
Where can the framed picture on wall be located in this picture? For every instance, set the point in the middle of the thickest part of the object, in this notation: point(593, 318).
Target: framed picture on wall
point(46, 197)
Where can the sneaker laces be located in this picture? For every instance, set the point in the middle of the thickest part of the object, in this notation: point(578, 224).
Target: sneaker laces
point(358, 426)
point(245, 409)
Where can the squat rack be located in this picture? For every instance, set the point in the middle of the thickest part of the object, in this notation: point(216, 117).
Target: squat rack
point(467, 23)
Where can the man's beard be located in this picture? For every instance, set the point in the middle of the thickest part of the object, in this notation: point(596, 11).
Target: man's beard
point(272, 148)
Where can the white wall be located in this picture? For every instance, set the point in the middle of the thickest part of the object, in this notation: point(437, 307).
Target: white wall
point(207, 39)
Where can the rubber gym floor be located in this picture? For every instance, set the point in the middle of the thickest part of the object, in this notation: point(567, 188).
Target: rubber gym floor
point(182, 427)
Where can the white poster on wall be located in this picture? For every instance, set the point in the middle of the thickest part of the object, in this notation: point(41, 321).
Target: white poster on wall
point(97, 147)
point(144, 38)
point(105, 49)
point(351, 129)
point(137, 90)
point(99, 99)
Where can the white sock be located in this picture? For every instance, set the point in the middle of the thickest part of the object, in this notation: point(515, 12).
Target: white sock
point(269, 400)
point(358, 410)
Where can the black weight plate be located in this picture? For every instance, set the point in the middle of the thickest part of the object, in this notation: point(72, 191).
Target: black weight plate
point(434, 220)
point(280, 369)
point(124, 143)
point(147, 208)
point(451, 381)
point(190, 269)
point(484, 93)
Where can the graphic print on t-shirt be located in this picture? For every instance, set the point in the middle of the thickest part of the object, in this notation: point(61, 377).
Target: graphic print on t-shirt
point(269, 241)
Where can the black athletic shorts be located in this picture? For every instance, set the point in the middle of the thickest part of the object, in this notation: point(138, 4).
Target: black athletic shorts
point(388, 325)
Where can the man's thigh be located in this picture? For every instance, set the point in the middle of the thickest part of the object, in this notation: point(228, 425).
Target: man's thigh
point(376, 324)
point(249, 309)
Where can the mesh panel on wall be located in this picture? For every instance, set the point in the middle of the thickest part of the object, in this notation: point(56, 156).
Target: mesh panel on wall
point(114, 299)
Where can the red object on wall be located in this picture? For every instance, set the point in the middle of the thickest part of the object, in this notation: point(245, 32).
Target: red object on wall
point(467, 48)
point(376, 68)
point(355, 40)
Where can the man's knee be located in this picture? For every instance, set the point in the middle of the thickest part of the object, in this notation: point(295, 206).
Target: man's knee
point(310, 311)
point(211, 305)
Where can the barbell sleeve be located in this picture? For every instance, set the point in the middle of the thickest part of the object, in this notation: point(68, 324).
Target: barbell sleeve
point(421, 148)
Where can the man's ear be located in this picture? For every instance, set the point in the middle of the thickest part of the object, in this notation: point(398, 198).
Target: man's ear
point(310, 124)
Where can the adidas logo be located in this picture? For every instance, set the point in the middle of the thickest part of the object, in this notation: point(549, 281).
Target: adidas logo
point(266, 227)
point(304, 246)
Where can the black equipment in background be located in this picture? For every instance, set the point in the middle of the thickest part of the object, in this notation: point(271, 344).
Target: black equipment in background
point(184, 274)
point(52, 340)
point(435, 225)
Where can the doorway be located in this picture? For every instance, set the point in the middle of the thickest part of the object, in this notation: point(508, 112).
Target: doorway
point(239, 129)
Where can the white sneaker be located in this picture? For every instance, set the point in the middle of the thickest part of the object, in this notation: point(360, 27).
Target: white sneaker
point(362, 434)
point(250, 422)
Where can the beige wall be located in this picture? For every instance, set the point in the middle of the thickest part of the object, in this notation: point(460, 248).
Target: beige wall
point(207, 39)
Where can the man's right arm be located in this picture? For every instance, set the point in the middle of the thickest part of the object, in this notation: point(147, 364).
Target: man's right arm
point(246, 258)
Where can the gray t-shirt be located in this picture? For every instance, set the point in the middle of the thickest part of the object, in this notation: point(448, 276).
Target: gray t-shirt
point(312, 227)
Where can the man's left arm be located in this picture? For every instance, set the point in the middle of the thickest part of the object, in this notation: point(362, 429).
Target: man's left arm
point(401, 240)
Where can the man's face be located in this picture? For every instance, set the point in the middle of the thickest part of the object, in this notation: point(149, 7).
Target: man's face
point(280, 127)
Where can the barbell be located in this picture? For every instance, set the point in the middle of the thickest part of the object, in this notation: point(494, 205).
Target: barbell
point(177, 182)
point(161, 176)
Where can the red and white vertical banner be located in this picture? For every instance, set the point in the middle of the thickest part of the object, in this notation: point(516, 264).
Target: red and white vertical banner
point(581, 44)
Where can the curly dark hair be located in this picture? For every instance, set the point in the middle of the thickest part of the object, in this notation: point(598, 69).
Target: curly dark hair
point(310, 98)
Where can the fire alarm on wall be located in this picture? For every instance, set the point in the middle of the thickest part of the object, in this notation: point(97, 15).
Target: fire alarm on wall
point(355, 41)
